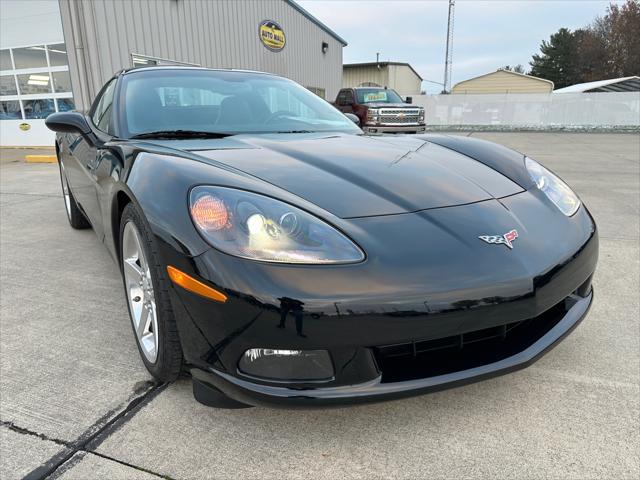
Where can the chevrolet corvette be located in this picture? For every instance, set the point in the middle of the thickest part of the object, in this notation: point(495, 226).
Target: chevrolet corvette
point(283, 258)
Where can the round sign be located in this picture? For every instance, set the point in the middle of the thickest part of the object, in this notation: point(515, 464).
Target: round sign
point(271, 35)
point(24, 126)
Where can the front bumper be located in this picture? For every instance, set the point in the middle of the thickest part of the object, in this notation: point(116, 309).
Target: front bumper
point(383, 320)
point(376, 129)
point(375, 390)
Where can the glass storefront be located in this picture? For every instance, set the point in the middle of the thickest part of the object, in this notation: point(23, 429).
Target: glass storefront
point(57, 55)
point(8, 85)
point(34, 82)
point(30, 57)
point(10, 110)
point(61, 81)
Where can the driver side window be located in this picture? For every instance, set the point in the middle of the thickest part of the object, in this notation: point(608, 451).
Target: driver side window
point(101, 116)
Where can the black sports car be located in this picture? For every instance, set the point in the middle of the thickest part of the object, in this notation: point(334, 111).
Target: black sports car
point(284, 258)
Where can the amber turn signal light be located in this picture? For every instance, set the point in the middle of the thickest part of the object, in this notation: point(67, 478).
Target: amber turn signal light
point(195, 286)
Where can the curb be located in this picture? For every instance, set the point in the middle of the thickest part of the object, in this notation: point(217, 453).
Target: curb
point(40, 158)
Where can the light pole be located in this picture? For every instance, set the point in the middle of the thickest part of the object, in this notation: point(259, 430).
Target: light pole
point(448, 57)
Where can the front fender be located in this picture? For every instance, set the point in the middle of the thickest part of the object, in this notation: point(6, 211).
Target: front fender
point(502, 159)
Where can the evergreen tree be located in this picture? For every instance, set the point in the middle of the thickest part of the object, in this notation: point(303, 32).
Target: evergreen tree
point(556, 61)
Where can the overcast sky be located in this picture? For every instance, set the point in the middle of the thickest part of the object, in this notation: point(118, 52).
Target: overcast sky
point(488, 34)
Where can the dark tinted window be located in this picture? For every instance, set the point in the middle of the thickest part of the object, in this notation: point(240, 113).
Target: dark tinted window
point(223, 101)
point(101, 116)
point(348, 98)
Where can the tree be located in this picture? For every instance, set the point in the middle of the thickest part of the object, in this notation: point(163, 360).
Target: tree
point(607, 48)
point(592, 60)
point(621, 25)
point(518, 68)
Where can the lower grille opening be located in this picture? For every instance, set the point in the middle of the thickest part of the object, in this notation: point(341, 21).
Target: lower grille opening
point(429, 358)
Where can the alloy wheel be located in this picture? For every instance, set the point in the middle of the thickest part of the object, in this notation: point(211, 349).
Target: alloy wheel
point(139, 290)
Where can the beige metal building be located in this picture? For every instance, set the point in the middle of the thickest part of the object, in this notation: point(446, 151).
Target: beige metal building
point(399, 76)
point(106, 36)
point(503, 81)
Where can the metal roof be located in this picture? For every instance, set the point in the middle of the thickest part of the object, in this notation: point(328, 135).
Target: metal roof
point(317, 22)
point(382, 64)
point(623, 84)
point(524, 75)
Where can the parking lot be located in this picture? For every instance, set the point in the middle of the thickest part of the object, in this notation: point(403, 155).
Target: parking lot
point(76, 401)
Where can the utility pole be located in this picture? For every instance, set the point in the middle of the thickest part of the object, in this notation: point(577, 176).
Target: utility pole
point(377, 57)
point(448, 57)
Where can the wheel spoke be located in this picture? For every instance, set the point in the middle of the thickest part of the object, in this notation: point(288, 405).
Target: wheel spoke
point(143, 324)
point(132, 269)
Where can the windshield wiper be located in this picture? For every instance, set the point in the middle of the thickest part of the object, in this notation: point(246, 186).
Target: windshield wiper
point(182, 134)
point(294, 131)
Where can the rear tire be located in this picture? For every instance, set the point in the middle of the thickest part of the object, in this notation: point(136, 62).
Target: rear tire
point(75, 216)
point(146, 287)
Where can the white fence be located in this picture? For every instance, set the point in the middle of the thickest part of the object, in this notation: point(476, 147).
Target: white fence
point(533, 110)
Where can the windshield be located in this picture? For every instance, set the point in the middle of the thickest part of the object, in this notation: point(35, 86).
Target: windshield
point(378, 95)
point(193, 100)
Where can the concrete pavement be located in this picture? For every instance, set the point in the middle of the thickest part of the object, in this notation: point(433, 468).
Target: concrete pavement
point(77, 403)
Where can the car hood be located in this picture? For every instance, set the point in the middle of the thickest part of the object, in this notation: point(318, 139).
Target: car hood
point(357, 176)
point(391, 105)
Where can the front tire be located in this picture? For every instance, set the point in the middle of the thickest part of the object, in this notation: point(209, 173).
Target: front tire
point(146, 287)
point(75, 216)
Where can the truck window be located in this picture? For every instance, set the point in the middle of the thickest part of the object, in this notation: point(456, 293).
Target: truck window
point(378, 95)
point(348, 98)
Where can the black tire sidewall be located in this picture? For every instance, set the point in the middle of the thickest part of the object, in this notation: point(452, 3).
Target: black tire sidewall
point(169, 358)
point(75, 216)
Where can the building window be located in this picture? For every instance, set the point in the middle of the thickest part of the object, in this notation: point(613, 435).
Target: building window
point(58, 55)
point(61, 81)
point(10, 110)
point(46, 82)
point(321, 92)
point(65, 104)
point(139, 60)
point(8, 85)
point(32, 83)
point(40, 108)
point(30, 57)
point(5, 60)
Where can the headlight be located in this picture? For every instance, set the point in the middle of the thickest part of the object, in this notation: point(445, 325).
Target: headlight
point(554, 188)
point(372, 115)
point(253, 226)
point(421, 115)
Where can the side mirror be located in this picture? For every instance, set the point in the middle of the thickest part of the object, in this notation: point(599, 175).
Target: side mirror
point(68, 122)
point(353, 118)
point(409, 100)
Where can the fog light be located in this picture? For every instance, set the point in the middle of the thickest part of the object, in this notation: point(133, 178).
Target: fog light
point(287, 365)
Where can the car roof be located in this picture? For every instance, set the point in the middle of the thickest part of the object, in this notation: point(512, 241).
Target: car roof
point(188, 67)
